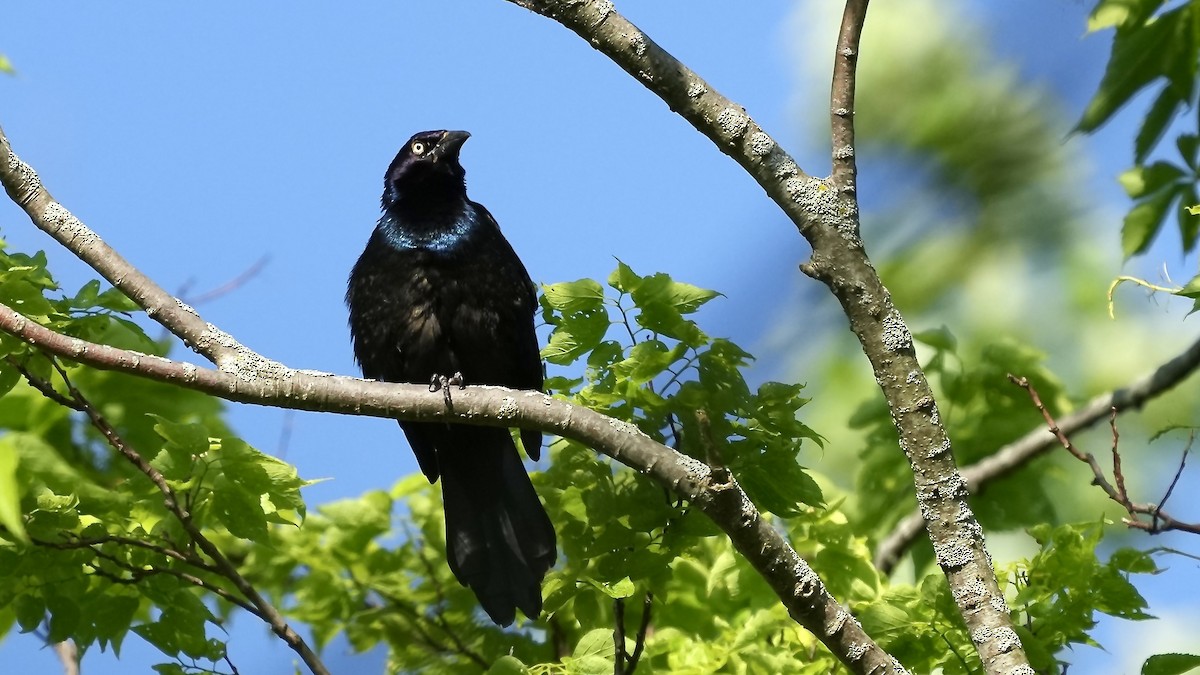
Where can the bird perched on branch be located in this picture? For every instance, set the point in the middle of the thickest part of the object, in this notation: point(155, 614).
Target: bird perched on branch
point(439, 292)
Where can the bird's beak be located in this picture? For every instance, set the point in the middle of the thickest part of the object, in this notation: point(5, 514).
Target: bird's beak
point(451, 143)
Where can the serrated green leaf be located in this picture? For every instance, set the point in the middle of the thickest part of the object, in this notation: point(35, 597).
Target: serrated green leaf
point(1144, 180)
point(1139, 57)
point(624, 279)
point(1143, 222)
point(116, 300)
point(240, 512)
point(191, 439)
point(1155, 123)
point(1170, 664)
point(574, 296)
point(576, 335)
point(597, 642)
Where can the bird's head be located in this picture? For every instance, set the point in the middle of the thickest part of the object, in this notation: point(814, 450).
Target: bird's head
point(426, 167)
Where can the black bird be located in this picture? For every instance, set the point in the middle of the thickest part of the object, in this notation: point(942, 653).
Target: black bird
point(438, 292)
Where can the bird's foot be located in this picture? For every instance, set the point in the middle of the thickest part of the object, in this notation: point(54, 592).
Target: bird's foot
point(443, 383)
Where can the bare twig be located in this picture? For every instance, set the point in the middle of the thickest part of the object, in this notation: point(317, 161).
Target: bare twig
point(229, 286)
point(1037, 442)
point(1175, 480)
point(1159, 521)
point(643, 630)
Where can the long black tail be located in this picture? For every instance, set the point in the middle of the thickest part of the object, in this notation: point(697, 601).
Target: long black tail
point(499, 540)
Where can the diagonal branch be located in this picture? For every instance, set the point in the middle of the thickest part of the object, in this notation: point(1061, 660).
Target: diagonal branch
point(1037, 442)
point(826, 214)
point(25, 188)
point(222, 565)
point(247, 377)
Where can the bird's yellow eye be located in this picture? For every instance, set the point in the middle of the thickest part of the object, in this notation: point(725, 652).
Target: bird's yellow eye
point(418, 148)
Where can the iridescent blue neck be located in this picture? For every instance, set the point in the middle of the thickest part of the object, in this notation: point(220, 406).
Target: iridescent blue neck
point(435, 237)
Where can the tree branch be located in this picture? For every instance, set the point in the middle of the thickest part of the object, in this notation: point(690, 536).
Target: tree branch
point(1159, 520)
point(1037, 442)
point(246, 377)
point(265, 610)
point(25, 188)
point(826, 214)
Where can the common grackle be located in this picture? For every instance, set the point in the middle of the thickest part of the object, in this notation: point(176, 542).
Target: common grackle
point(439, 291)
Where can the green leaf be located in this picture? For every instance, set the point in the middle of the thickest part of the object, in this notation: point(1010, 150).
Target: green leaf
point(1143, 222)
point(1144, 180)
point(30, 610)
point(10, 492)
point(1170, 664)
point(1188, 144)
point(598, 642)
point(1155, 124)
point(241, 513)
point(1191, 290)
point(1159, 48)
point(1110, 13)
point(574, 296)
point(6, 65)
point(624, 279)
point(1189, 224)
point(508, 665)
point(64, 618)
point(576, 335)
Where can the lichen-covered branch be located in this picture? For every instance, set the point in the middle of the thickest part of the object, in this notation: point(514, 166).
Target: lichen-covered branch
point(25, 188)
point(715, 493)
point(1037, 442)
point(826, 213)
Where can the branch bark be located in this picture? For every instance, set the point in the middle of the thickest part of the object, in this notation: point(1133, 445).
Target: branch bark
point(826, 214)
point(1037, 442)
point(247, 377)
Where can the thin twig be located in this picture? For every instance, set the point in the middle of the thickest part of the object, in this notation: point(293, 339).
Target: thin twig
point(224, 567)
point(1037, 442)
point(1175, 480)
point(1160, 521)
point(643, 629)
point(845, 172)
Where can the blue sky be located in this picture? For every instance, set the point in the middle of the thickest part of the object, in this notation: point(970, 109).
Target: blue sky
point(197, 139)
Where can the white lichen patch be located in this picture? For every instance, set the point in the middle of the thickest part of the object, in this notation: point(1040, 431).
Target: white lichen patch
point(953, 553)
point(186, 307)
point(761, 144)
point(638, 42)
point(627, 427)
point(895, 334)
point(786, 169)
point(603, 9)
point(698, 471)
point(843, 152)
point(508, 408)
point(733, 122)
point(696, 88)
